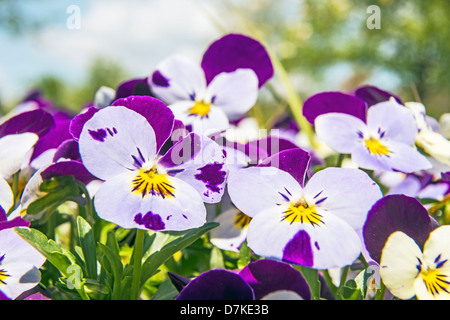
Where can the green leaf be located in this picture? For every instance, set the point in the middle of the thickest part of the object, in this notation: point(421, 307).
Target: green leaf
point(350, 291)
point(115, 266)
point(87, 242)
point(58, 190)
point(182, 240)
point(244, 255)
point(216, 259)
point(166, 291)
point(55, 254)
point(362, 280)
point(312, 278)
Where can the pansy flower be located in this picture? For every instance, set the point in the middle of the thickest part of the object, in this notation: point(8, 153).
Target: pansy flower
point(18, 138)
point(429, 137)
point(259, 280)
point(224, 87)
point(300, 222)
point(395, 213)
point(120, 145)
point(409, 271)
point(375, 139)
point(19, 261)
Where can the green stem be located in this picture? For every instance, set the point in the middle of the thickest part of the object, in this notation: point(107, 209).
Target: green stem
point(138, 247)
point(343, 279)
point(329, 281)
point(381, 292)
point(340, 160)
point(15, 190)
point(90, 215)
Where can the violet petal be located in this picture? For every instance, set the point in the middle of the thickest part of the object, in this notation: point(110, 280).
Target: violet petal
point(395, 213)
point(155, 111)
point(16, 222)
point(334, 101)
point(133, 87)
point(37, 121)
point(68, 168)
point(266, 276)
point(217, 284)
point(235, 51)
point(373, 95)
point(294, 161)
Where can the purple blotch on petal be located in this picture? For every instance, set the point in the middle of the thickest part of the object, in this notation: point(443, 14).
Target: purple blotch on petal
point(159, 79)
point(99, 135)
point(298, 250)
point(150, 220)
point(212, 175)
point(395, 213)
point(77, 123)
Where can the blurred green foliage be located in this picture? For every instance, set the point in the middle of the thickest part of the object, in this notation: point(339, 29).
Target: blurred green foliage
point(310, 36)
point(102, 72)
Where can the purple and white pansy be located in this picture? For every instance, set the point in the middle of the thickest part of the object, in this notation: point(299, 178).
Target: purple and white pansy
point(374, 137)
point(120, 144)
point(260, 280)
point(300, 222)
point(224, 87)
point(19, 261)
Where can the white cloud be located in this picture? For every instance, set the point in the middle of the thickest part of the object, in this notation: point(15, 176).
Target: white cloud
point(137, 34)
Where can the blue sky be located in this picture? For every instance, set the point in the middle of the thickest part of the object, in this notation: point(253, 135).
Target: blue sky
point(138, 34)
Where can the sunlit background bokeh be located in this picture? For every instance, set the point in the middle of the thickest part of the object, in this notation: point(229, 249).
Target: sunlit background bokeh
point(324, 45)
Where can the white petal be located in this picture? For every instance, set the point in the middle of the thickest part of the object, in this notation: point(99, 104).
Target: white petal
point(438, 244)
point(404, 158)
point(20, 259)
point(255, 189)
point(115, 202)
point(341, 132)
point(273, 238)
point(234, 92)
point(184, 77)
point(228, 235)
point(6, 195)
point(114, 139)
point(398, 264)
point(205, 170)
point(282, 295)
point(396, 121)
point(13, 149)
point(345, 192)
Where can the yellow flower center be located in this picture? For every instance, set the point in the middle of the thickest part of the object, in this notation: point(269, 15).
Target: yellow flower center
point(435, 282)
point(150, 181)
point(303, 213)
point(376, 147)
point(3, 276)
point(242, 220)
point(200, 108)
